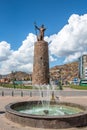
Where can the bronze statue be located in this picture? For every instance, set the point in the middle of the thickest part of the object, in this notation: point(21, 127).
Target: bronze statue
point(41, 31)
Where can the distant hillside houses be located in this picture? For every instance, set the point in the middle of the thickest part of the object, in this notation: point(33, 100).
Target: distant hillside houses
point(67, 73)
point(18, 77)
point(4, 80)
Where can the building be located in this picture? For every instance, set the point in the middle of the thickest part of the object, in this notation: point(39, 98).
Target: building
point(83, 69)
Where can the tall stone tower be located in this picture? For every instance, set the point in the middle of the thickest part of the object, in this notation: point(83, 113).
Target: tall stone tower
point(41, 59)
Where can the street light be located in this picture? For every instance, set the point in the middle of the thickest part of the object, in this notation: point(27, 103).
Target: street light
point(60, 79)
point(13, 79)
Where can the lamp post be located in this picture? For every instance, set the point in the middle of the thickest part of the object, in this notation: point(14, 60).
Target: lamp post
point(13, 79)
point(60, 79)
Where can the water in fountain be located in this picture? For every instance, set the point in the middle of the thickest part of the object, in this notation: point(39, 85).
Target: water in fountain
point(47, 96)
point(45, 92)
point(54, 110)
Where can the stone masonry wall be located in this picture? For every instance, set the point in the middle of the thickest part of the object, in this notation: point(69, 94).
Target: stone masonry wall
point(41, 63)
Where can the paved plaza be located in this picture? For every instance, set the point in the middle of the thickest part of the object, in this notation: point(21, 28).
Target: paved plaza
point(5, 124)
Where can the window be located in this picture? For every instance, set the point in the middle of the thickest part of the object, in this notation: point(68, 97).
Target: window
point(41, 58)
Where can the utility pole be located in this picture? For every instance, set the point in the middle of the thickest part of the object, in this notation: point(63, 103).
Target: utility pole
point(60, 80)
point(13, 79)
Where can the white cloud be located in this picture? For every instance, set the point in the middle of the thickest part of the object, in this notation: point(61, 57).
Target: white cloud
point(5, 51)
point(70, 43)
point(19, 60)
point(52, 59)
point(72, 39)
point(72, 57)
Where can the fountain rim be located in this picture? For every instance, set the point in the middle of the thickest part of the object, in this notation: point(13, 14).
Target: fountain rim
point(9, 109)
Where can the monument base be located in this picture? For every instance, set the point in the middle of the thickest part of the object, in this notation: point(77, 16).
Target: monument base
point(41, 63)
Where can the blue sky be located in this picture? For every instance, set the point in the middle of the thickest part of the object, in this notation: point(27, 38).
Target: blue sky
point(17, 19)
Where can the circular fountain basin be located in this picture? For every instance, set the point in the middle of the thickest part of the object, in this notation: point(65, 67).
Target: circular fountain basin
point(56, 115)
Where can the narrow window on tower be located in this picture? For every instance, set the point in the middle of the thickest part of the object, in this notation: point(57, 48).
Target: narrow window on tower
point(41, 58)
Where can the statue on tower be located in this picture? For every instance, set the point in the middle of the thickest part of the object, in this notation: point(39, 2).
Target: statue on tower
point(41, 29)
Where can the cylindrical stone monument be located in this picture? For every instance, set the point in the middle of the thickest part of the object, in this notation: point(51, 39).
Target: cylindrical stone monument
point(41, 62)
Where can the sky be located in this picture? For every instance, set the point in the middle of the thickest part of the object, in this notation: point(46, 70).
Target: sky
point(66, 32)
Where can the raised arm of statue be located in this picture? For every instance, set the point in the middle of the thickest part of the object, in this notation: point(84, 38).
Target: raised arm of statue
point(41, 32)
point(37, 27)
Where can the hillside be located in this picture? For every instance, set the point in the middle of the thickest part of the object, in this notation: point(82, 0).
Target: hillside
point(67, 71)
point(18, 76)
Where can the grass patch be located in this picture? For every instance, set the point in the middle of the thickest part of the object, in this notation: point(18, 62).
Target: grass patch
point(28, 87)
point(77, 87)
point(16, 86)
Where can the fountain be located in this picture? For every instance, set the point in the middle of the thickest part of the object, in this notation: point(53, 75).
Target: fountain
point(46, 112)
point(58, 115)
